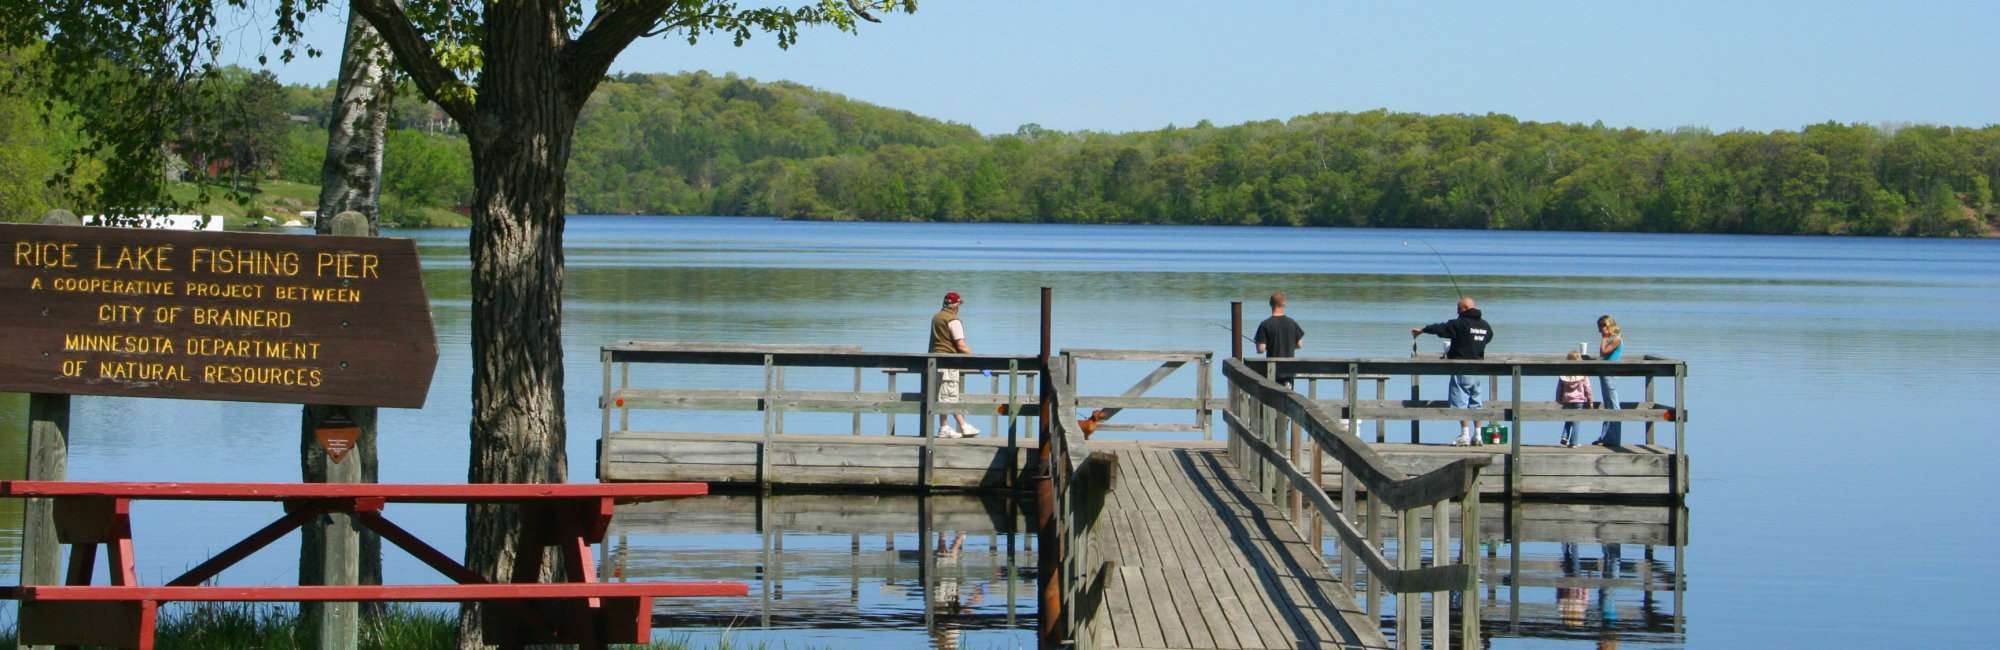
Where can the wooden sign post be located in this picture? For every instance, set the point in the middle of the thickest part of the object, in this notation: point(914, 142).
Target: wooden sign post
point(332, 549)
point(338, 322)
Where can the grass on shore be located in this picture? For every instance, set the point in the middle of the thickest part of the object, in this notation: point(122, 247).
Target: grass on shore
point(284, 201)
point(247, 626)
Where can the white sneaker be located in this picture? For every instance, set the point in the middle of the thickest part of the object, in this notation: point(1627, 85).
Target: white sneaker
point(1462, 441)
point(948, 431)
point(970, 431)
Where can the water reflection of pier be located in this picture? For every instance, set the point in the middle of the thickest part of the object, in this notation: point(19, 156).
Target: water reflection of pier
point(1579, 571)
point(856, 561)
point(859, 561)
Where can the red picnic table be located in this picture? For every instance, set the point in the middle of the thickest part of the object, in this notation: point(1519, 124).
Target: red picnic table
point(570, 517)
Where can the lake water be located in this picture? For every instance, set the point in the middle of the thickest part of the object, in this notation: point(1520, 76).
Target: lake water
point(1836, 392)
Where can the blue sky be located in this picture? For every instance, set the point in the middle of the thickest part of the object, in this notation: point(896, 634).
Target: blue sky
point(1119, 66)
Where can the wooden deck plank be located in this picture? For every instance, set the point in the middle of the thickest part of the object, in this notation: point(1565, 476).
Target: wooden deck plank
point(1240, 622)
point(1118, 603)
point(1195, 618)
point(1151, 634)
point(1172, 623)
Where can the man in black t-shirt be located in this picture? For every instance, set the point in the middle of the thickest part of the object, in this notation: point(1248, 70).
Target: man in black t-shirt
point(1279, 335)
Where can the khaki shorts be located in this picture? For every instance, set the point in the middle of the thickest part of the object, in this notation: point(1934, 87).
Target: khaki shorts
point(948, 385)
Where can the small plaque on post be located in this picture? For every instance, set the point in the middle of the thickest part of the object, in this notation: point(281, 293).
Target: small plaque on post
point(337, 434)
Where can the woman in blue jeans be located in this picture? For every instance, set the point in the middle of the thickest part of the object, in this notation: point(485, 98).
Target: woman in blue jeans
point(1610, 347)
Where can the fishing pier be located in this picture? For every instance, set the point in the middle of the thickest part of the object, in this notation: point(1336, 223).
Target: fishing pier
point(1262, 517)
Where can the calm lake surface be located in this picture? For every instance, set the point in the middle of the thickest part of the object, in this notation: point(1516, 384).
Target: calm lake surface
point(1839, 433)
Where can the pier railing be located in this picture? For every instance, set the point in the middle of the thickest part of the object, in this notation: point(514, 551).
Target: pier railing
point(1266, 421)
point(1513, 408)
point(775, 398)
point(1080, 480)
point(788, 388)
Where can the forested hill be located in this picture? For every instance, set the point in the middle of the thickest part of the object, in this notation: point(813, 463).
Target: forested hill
point(699, 144)
point(662, 144)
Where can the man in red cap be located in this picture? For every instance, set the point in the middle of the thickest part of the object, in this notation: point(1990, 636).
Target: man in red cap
point(948, 337)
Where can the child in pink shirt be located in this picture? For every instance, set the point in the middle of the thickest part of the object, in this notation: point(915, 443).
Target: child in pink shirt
point(1572, 392)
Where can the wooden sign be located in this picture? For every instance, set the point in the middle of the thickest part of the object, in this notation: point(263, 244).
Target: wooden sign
point(219, 316)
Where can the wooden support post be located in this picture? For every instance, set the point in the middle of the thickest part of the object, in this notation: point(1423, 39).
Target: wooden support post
point(1649, 401)
point(1409, 552)
point(857, 414)
point(1468, 555)
point(924, 413)
point(1203, 391)
point(777, 405)
point(1317, 536)
point(1381, 424)
point(1416, 393)
point(1514, 565)
point(48, 460)
point(1013, 435)
point(604, 409)
point(1048, 559)
point(1236, 329)
point(330, 546)
point(764, 448)
point(1441, 600)
point(890, 416)
point(994, 389)
point(624, 382)
point(1680, 434)
point(1514, 438)
point(1374, 531)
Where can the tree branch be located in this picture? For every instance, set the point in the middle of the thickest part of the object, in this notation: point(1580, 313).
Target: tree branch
point(422, 65)
point(609, 32)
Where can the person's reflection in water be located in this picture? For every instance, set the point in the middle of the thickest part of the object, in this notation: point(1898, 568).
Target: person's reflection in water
point(1607, 601)
point(1571, 601)
point(951, 598)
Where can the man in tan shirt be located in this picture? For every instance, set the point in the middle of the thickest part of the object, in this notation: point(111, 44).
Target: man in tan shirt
point(948, 337)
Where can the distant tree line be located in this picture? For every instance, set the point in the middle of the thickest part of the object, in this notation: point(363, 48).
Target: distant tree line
point(695, 143)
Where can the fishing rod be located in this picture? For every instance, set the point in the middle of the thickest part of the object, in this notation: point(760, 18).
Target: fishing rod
point(1238, 334)
point(1441, 262)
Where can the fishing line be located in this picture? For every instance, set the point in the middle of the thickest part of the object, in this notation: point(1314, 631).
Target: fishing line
point(1246, 338)
point(1441, 262)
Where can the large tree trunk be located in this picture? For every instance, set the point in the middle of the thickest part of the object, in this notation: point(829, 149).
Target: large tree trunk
point(520, 136)
point(350, 180)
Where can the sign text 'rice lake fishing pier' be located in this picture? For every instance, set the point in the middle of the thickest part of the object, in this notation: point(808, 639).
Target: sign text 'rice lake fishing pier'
point(225, 316)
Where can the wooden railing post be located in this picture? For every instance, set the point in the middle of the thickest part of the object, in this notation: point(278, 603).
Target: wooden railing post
point(1409, 551)
point(1514, 439)
point(1381, 394)
point(1013, 421)
point(770, 441)
point(1204, 391)
point(930, 431)
point(1649, 403)
point(1680, 432)
point(1468, 555)
point(1441, 599)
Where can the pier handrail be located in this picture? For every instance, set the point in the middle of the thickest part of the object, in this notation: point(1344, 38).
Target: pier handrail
point(1081, 478)
point(1510, 407)
point(1257, 417)
point(1394, 489)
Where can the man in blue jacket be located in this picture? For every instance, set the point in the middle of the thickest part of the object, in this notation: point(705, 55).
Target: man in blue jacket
point(1469, 334)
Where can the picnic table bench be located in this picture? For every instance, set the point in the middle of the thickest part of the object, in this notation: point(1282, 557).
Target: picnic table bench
point(569, 517)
